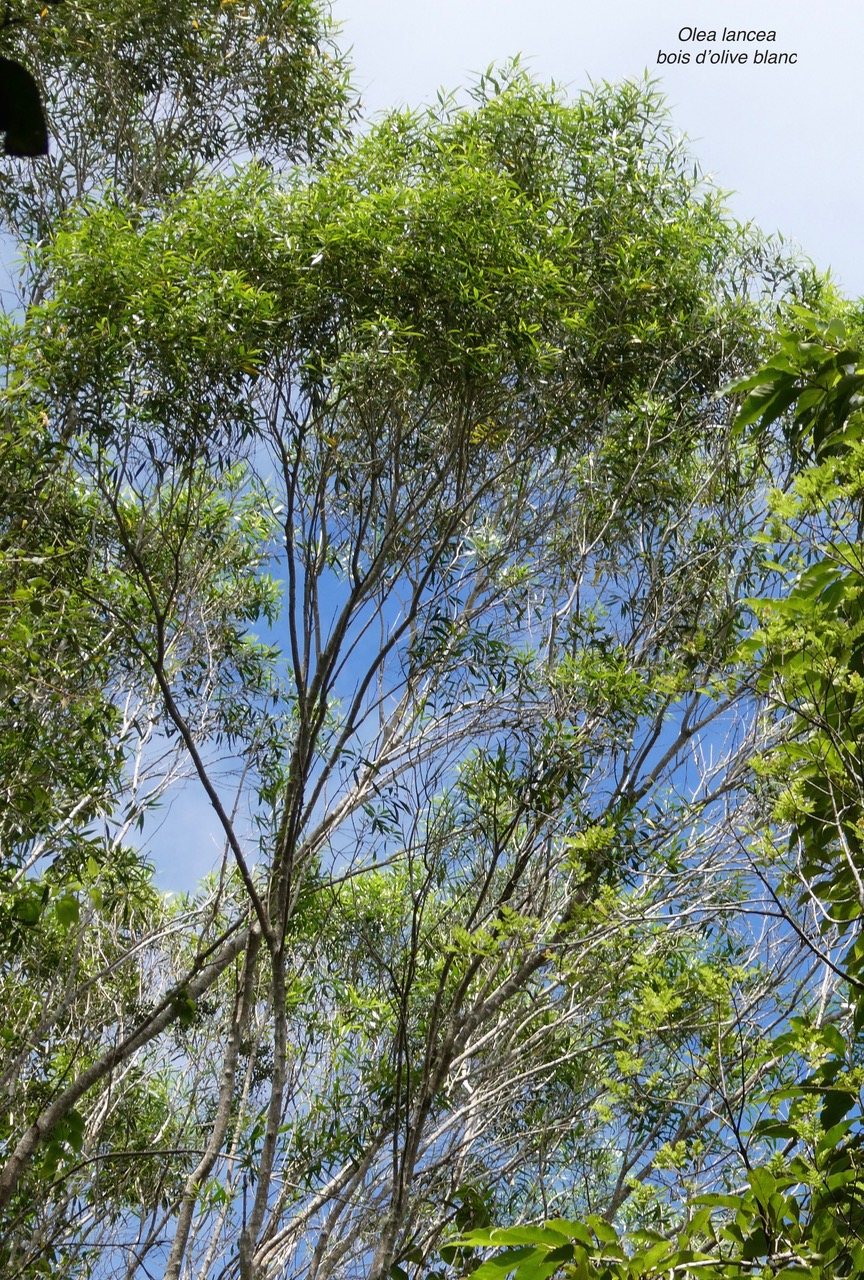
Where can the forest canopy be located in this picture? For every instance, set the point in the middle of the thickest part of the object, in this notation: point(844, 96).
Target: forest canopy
point(387, 485)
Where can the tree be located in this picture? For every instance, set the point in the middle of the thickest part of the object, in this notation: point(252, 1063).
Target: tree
point(801, 1209)
point(482, 913)
point(143, 98)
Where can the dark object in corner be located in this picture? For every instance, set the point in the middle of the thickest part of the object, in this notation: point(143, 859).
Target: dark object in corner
point(21, 116)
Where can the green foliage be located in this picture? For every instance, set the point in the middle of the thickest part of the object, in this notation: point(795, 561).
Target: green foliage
point(475, 251)
point(60, 759)
point(142, 98)
point(434, 418)
point(811, 642)
point(801, 1212)
point(758, 1231)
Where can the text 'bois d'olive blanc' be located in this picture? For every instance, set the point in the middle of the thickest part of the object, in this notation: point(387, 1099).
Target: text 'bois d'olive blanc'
point(730, 35)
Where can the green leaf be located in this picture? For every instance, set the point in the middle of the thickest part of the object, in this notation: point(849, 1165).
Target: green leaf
point(545, 1235)
point(651, 1258)
point(767, 401)
point(536, 1267)
point(755, 1245)
point(838, 1103)
point(27, 910)
point(67, 910)
point(74, 1130)
point(605, 1233)
point(501, 1264)
point(573, 1230)
point(186, 1008)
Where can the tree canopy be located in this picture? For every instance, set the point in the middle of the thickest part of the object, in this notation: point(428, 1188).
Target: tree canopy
point(386, 487)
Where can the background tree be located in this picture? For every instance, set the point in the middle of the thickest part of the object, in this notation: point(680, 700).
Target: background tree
point(142, 99)
point(800, 1209)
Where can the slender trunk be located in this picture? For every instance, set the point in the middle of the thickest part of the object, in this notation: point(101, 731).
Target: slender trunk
point(249, 1236)
point(239, 1021)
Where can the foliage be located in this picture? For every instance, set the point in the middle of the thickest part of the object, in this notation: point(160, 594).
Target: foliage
point(389, 502)
point(801, 1212)
point(812, 636)
point(142, 98)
